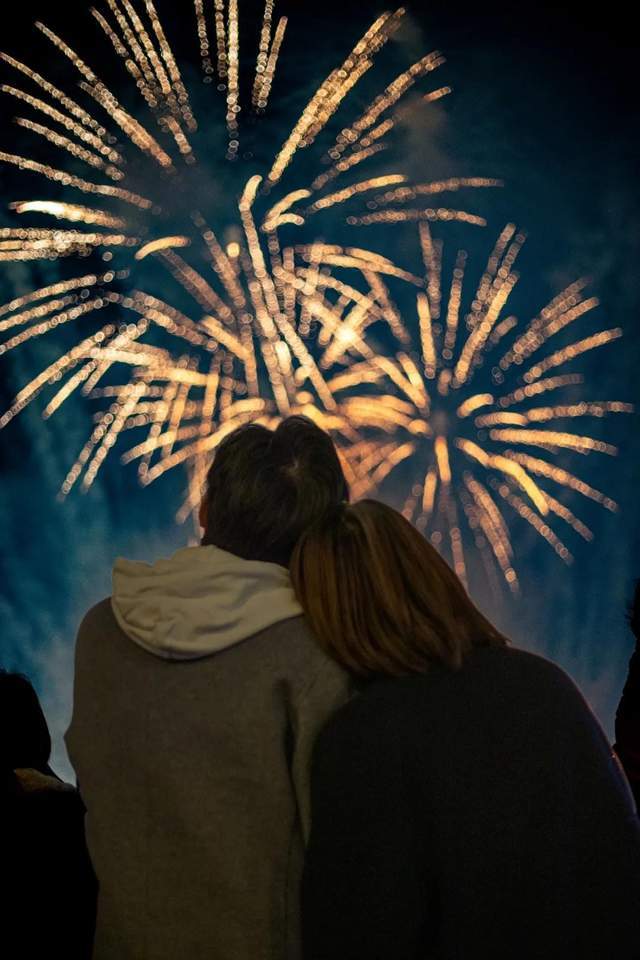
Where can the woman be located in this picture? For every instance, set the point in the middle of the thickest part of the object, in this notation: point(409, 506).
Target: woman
point(466, 803)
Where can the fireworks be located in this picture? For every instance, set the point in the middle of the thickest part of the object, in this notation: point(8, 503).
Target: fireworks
point(469, 445)
point(104, 137)
point(269, 319)
point(256, 304)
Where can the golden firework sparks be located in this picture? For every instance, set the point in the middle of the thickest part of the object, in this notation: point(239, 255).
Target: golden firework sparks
point(470, 446)
point(280, 327)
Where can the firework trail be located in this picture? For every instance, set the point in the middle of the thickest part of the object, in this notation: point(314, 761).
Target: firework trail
point(480, 443)
point(246, 348)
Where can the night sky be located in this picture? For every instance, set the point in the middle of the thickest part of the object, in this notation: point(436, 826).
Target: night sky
point(542, 99)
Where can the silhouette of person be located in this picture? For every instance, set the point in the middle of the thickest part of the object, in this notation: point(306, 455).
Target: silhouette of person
point(51, 890)
point(627, 727)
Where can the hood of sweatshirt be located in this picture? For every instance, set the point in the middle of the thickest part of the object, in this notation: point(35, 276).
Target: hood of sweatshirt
point(199, 601)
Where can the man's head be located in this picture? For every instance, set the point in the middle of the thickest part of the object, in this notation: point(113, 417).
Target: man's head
point(265, 487)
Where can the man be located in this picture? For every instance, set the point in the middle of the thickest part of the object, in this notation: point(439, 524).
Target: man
point(198, 695)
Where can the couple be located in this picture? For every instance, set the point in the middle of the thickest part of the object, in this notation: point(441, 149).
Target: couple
point(342, 761)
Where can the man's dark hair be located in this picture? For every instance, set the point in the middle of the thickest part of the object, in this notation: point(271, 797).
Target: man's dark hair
point(24, 739)
point(265, 487)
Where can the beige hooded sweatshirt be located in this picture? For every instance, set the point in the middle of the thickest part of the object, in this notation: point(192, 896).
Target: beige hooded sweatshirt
point(199, 693)
point(199, 601)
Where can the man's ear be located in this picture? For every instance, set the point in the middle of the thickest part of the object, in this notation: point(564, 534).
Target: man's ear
point(202, 514)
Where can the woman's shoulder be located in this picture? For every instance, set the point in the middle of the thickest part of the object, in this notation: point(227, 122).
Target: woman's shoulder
point(504, 677)
point(512, 663)
point(517, 671)
point(519, 664)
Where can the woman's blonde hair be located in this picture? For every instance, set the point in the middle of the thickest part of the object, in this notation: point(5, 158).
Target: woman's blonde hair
point(380, 599)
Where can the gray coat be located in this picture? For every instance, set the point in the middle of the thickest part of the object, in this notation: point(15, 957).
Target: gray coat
point(195, 778)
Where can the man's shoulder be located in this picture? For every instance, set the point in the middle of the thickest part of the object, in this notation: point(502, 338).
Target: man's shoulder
point(293, 645)
point(286, 650)
point(293, 632)
point(98, 622)
point(100, 615)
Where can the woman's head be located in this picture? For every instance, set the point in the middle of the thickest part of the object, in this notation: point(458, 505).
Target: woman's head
point(380, 599)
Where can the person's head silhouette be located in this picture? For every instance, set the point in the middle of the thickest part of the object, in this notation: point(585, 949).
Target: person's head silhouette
point(266, 487)
point(25, 739)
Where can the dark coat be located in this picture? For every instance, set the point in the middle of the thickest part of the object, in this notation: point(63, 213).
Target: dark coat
point(478, 813)
point(627, 743)
point(50, 896)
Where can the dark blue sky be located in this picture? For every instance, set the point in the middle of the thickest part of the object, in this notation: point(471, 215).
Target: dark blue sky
point(542, 99)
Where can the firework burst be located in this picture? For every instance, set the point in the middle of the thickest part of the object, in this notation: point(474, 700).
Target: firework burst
point(243, 338)
point(473, 409)
point(269, 319)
